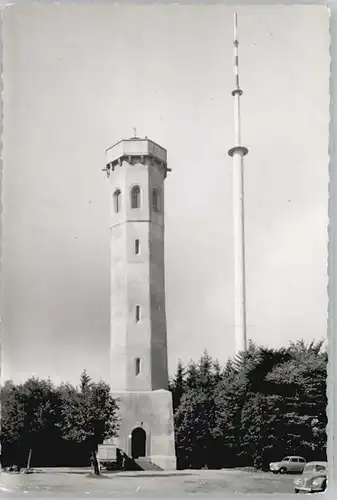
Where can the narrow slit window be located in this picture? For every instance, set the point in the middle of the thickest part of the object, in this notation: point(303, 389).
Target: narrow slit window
point(137, 366)
point(137, 247)
point(117, 200)
point(155, 200)
point(137, 313)
point(135, 197)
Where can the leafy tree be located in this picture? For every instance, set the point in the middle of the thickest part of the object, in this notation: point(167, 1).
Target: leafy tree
point(305, 409)
point(273, 401)
point(195, 415)
point(260, 438)
point(229, 397)
point(12, 414)
point(89, 414)
point(29, 412)
point(194, 422)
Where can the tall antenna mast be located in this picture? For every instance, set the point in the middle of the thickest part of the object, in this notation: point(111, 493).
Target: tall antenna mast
point(237, 153)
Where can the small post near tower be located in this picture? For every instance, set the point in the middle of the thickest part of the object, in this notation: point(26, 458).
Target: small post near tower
point(238, 152)
point(136, 169)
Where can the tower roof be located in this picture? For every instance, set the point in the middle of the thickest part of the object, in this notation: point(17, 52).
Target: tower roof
point(136, 146)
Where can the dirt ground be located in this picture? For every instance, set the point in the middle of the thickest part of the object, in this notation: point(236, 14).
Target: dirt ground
point(159, 484)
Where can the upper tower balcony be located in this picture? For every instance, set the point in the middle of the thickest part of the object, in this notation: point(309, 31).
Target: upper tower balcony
point(135, 150)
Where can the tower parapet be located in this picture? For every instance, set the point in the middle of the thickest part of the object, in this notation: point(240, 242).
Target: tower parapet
point(136, 150)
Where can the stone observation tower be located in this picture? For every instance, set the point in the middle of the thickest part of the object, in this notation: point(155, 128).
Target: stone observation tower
point(136, 169)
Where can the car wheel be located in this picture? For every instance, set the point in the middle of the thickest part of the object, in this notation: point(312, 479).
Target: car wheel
point(296, 491)
point(324, 486)
point(283, 470)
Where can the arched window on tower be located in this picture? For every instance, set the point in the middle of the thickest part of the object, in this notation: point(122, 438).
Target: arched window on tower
point(117, 200)
point(135, 197)
point(156, 200)
point(137, 366)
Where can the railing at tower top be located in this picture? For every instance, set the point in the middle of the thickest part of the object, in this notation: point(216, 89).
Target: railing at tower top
point(136, 147)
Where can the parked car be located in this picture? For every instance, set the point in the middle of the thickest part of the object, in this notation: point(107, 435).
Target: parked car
point(314, 478)
point(288, 464)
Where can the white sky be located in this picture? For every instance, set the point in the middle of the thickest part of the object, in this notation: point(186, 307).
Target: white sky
point(78, 79)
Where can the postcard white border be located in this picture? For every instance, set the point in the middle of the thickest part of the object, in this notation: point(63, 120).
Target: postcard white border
point(332, 229)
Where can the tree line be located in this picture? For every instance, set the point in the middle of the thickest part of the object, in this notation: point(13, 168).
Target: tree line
point(264, 404)
point(53, 425)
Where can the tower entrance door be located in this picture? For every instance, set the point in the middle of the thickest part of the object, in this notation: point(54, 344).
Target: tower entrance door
point(138, 442)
